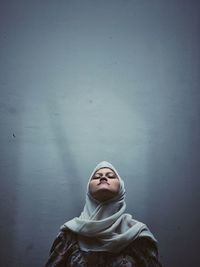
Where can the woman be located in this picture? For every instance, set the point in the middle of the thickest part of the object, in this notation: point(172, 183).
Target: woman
point(103, 235)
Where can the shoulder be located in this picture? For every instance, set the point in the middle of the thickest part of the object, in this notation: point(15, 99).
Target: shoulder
point(144, 250)
point(63, 239)
point(145, 245)
point(60, 248)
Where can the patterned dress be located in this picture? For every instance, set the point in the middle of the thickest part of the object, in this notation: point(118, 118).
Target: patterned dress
point(65, 252)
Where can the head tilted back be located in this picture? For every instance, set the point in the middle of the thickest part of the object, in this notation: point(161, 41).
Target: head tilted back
point(106, 164)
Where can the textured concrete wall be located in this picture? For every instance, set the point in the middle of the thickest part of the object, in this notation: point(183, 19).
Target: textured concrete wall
point(85, 81)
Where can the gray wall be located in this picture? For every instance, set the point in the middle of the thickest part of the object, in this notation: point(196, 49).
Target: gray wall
point(85, 81)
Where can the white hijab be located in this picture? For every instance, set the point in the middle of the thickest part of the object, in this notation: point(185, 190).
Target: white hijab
point(103, 226)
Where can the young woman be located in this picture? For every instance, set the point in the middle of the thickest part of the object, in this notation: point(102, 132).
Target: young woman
point(104, 235)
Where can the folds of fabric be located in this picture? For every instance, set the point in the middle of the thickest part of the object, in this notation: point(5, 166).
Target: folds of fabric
point(104, 226)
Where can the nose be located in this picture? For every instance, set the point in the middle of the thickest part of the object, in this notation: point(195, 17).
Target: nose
point(103, 178)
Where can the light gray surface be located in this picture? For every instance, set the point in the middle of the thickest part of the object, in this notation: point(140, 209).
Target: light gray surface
point(85, 81)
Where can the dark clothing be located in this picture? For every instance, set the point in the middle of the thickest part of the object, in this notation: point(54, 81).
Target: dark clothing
point(65, 252)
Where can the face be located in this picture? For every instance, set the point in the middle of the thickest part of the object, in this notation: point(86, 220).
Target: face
point(104, 184)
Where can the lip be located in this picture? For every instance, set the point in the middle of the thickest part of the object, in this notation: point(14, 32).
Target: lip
point(103, 182)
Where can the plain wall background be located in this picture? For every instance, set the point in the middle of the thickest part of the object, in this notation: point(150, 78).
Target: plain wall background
point(85, 81)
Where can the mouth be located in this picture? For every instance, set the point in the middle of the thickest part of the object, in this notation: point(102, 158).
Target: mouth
point(103, 182)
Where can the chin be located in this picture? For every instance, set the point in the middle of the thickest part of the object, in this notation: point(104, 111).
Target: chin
point(104, 195)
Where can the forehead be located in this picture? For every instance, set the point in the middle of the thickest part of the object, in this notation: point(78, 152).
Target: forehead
point(104, 170)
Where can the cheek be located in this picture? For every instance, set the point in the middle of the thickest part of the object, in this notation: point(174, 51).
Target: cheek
point(91, 186)
point(117, 186)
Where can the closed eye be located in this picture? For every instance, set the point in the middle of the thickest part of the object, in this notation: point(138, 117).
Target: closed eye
point(97, 176)
point(110, 175)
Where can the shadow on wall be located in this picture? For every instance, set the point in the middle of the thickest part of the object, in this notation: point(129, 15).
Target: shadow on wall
point(64, 153)
point(9, 175)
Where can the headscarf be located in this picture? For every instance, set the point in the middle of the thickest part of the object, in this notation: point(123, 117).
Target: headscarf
point(103, 226)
